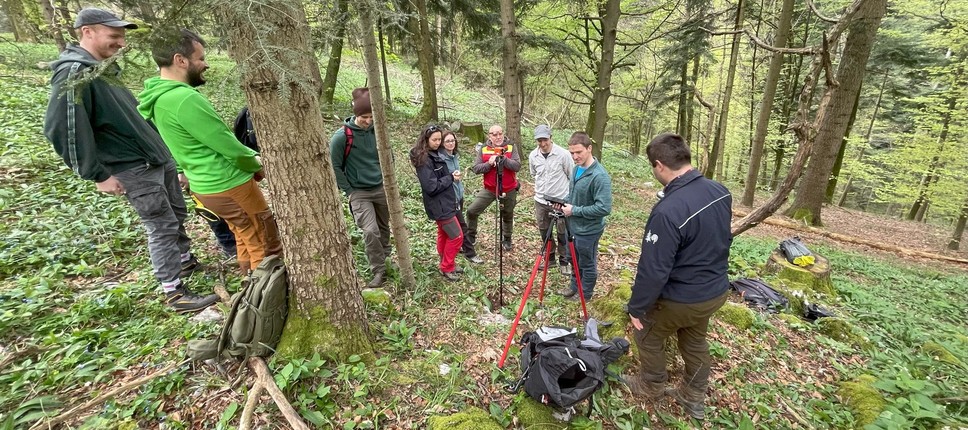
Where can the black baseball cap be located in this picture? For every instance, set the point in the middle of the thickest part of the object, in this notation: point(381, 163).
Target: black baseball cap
point(93, 15)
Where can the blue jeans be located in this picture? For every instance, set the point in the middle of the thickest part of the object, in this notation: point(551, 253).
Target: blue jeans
point(586, 250)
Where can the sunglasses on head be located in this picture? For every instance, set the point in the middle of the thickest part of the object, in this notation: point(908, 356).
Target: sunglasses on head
point(433, 129)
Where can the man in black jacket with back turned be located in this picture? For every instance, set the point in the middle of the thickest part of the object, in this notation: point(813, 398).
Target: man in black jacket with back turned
point(681, 278)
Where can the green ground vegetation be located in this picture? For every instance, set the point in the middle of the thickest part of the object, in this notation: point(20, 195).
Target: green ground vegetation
point(80, 312)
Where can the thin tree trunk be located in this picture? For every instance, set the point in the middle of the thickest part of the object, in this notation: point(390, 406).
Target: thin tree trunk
point(512, 77)
point(598, 112)
point(867, 135)
point(955, 242)
point(684, 98)
point(401, 235)
point(339, 18)
point(23, 29)
point(839, 162)
point(830, 133)
point(766, 106)
point(690, 106)
point(66, 18)
point(53, 24)
point(425, 59)
point(326, 314)
point(383, 66)
point(720, 139)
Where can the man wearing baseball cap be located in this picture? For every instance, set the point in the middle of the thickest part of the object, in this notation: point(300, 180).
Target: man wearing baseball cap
point(94, 125)
point(551, 167)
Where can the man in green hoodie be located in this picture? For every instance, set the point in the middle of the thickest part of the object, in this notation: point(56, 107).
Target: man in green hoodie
point(94, 126)
point(356, 164)
point(221, 170)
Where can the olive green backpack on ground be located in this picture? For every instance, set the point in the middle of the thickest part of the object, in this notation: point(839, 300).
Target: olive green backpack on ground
point(255, 322)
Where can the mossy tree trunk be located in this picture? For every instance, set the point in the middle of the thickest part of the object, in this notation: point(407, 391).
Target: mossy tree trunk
point(270, 42)
point(425, 58)
point(341, 16)
point(512, 74)
point(609, 13)
point(815, 277)
point(53, 24)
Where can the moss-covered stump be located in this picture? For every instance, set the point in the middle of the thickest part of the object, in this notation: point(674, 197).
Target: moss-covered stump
point(534, 415)
point(815, 277)
point(864, 401)
point(940, 353)
point(839, 329)
point(470, 419)
point(474, 132)
point(611, 308)
point(739, 316)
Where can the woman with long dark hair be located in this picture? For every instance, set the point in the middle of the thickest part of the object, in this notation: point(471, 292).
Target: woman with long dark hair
point(439, 198)
point(448, 151)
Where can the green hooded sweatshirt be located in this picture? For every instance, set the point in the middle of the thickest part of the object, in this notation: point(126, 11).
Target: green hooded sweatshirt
point(205, 149)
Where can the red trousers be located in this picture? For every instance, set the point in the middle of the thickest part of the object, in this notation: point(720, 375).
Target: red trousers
point(449, 240)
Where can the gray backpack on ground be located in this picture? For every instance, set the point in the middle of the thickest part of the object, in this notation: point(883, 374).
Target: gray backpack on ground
point(255, 322)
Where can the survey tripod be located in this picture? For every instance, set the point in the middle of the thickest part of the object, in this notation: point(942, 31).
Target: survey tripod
point(499, 238)
point(558, 219)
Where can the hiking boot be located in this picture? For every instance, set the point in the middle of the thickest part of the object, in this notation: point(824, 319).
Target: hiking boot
point(451, 276)
point(189, 266)
point(567, 292)
point(692, 403)
point(182, 300)
point(507, 246)
point(474, 259)
point(565, 269)
point(377, 280)
point(646, 389)
point(458, 270)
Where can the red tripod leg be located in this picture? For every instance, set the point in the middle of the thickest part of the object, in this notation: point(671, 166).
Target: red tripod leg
point(544, 275)
point(517, 318)
point(574, 265)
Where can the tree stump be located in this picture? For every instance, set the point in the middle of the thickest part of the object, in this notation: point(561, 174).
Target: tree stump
point(474, 132)
point(815, 277)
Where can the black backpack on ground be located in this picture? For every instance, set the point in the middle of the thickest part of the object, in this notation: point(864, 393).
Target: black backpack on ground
point(757, 294)
point(559, 370)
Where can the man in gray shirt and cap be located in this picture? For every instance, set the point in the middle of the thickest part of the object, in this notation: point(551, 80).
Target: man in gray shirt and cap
point(551, 167)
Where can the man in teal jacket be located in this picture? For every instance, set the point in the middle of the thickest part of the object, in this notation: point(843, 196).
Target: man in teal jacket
point(356, 164)
point(94, 126)
point(221, 170)
point(589, 202)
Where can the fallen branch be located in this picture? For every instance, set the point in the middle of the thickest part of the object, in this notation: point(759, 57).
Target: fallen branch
point(17, 354)
point(245, 423)
point(77, 410)
point(262, 374)
point(855, 240)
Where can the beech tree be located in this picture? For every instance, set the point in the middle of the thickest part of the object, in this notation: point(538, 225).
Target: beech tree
point(269, 40)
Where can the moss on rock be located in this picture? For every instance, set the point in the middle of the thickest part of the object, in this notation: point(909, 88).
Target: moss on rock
point(738, 316)
point(611, 308)
point(472, 418)
point(940, 353)
point(839, 329)
point(790, 319)
point(377, 298)
point(864, 401)
point(534, 415)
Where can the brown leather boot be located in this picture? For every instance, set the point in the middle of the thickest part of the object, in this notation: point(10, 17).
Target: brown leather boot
point(648, 390)
point(692, 402)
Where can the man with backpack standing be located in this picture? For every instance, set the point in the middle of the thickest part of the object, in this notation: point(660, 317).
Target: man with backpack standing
point(221, 171)
point(356, 164)
point(681, 279)
point(93, 122)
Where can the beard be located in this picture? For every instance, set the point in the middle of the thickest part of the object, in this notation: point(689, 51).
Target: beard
point(195, 78)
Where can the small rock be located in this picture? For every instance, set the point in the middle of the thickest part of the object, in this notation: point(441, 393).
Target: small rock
point(209, 315)
point(444, 369)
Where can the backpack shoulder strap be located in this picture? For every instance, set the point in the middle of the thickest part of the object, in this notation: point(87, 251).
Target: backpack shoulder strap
point(348, 132)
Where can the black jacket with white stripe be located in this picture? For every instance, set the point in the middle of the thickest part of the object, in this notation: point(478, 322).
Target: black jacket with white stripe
point(685, 248)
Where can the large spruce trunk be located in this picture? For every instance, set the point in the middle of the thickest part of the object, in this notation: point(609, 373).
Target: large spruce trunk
point(281, 82)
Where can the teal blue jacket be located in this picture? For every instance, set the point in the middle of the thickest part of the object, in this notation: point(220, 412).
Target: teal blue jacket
point(591, 200)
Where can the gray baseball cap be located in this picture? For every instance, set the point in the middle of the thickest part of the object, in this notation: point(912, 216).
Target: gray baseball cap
point(93, 15)
point(542, 132)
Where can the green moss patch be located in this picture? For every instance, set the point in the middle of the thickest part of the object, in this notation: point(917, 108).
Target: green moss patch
point(864, 401)
point(611, 308)
point(534, 415)
point(940, 353)
point(839, 329)
point(470, 419)
point(738, 316)
point(303, 336)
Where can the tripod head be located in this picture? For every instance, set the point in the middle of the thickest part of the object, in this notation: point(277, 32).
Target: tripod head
point(556, 205)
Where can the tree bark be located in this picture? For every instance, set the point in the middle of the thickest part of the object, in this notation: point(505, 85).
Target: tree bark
point(65, 14)
point(766, 106)
point(340, 18)
point(839, 161)
point(830, 133)
point(401, 235)
point(920, 204)
point(598, 111)
point(512, 74)
point(425, 59)
point(19, 22)
point(326, 313)
point(383, 65)
point(53, 24)
point(959, 231)
point(720, 140)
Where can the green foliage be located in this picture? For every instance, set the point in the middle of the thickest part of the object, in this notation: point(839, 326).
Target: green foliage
point(736, 315)
point(470, 419)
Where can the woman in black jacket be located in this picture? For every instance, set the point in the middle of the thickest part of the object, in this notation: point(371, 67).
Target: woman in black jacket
point(439, 199)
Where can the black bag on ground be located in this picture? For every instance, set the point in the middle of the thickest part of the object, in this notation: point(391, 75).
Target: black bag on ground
point(813, 312)
point(559, 370)
point(757, 294)
point(796, 252)
point(255, 322)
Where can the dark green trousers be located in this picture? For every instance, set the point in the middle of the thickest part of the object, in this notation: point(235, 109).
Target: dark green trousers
point(690, 323)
